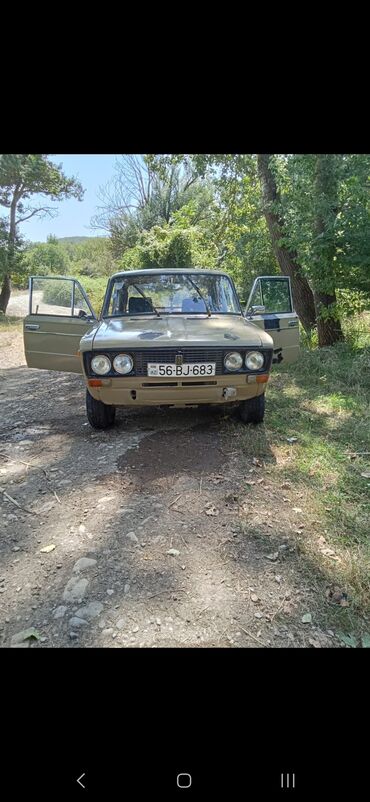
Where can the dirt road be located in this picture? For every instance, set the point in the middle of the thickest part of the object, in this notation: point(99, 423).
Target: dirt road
point(165, 531)
point(18, 303)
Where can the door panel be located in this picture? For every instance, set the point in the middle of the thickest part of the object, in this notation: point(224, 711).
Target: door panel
point(60, 314)
point(270, 306)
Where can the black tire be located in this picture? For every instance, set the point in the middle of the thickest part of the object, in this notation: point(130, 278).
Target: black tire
point(253, 410)
point(100, 416)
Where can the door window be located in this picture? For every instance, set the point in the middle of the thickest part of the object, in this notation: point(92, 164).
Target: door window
point(58, 296)
point(256, 296)
point(273, 294)
point(276, 295)
point(80, 304)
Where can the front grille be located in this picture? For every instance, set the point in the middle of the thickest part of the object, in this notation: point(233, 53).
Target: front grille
point(142, 356)
point(168, 356)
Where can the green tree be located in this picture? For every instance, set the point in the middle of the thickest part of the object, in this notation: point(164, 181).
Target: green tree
point(244, 203)
point(139, 198)
point(286, 256)
point(317, 210)
point(44, 258)
point(24, 177)
point(326, 204)
point(94, 257)
point(3, 247)
point(170, 246)
point(324, 249)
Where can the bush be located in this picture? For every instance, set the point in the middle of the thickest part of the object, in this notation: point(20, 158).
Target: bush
point(58, 293)
point(167, 246)
point(351, 303)
point(309, 340)
point(95, 291)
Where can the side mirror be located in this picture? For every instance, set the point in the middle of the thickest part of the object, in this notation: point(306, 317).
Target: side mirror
point(256, 310)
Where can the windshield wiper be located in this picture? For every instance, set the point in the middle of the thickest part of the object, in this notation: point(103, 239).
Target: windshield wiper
point(200, 294)
point(147, 299)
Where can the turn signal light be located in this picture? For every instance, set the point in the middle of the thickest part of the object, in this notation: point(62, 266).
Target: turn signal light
point(262, 377)
point(95, 383)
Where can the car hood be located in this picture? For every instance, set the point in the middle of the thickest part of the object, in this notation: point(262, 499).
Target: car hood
point(176, 331)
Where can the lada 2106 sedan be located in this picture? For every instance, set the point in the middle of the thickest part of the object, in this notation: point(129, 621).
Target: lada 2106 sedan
point(164, 337)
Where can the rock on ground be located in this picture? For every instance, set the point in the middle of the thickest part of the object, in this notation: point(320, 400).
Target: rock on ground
point(91, 610)
point(75, 589)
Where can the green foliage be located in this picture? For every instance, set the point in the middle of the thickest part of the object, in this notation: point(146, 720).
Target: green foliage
point(45, 259)
point(357, 331)
point(352, 302)
point(140, 198)
point(246, 240)
point(95, 290)
point(169, 246)
point(27, 174)
point(235, 225)
point(324, 203)
point(308, 339)
point(206, 210)
point(58, 293)
point(87, 256)
point(334, 189)
point(22, 177)
point(93, 257)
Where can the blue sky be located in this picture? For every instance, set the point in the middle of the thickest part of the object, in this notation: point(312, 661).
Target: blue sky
point(74, 216)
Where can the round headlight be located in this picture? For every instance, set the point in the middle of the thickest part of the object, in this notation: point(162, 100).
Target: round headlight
point(254, 360)
point(233, 361)
point(101, 364)
point(123, 363)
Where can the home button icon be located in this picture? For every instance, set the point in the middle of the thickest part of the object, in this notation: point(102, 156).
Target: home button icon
point(184, 780)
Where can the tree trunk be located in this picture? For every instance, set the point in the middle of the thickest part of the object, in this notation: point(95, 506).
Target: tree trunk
point(7, 286)
point(328, 325)
point(287, 258)
point(5, 293)
point(328, 328)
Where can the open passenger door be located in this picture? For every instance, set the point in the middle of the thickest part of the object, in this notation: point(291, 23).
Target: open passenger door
point(59, 315)
point(270, 306)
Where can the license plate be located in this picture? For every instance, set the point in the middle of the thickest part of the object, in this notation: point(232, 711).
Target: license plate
point(188, 369)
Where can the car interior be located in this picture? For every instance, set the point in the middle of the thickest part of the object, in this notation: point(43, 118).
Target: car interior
point(139, 305)
point(193, 305)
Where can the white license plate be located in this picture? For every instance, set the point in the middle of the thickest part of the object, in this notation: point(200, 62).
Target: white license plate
point(188, 369)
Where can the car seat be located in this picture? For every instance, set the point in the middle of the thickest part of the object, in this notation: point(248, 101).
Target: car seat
point(139, 305)
point(193, 305)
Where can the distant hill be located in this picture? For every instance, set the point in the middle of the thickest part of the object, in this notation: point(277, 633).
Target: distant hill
point(75, 240)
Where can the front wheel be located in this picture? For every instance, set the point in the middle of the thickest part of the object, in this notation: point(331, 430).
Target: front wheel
point(100, 416)
point(253, 410)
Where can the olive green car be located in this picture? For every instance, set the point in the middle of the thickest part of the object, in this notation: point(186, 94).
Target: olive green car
point(164, 337)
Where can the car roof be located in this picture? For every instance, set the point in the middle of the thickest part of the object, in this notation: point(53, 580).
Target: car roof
point(158, 271)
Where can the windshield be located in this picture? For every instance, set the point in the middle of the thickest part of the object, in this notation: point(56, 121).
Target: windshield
point(172, 294)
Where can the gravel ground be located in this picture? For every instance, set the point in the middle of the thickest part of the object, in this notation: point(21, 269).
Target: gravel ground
point(163, 532)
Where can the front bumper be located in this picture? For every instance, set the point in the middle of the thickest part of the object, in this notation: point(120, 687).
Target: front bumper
point(151, 391)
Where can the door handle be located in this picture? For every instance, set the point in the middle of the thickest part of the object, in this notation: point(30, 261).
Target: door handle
point(31, 326)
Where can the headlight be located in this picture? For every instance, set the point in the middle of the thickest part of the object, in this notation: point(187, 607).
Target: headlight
point(123, 363)
point(233, 361)
point(101, 364)
point(254, 360)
